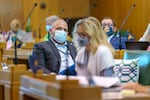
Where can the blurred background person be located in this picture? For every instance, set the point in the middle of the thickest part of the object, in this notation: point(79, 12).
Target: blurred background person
point(49, 20)
point(15, 28)
point(95, 56)
point(16, 33)
point(109, 26)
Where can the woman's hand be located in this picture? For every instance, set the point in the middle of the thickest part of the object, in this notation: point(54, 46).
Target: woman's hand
point(137, 87)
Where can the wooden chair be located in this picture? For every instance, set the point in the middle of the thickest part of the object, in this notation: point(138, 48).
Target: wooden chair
point(2, 46)
point(28, 45)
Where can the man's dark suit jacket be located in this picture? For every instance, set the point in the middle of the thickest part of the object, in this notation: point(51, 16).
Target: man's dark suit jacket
point(48, 56)
point(115, 42)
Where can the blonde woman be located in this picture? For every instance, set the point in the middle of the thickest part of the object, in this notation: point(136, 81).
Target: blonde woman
point(95, 56)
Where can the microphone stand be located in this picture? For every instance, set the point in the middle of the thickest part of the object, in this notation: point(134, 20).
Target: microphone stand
point(42, 21)
point(39, 32)
point(35, 4)
point(39, 28)
point(15, 51)
point(122, 24)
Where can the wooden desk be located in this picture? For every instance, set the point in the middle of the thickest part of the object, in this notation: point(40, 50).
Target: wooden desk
point(2, 46)
point(28, 45)
point(1, 89)
point(10, 81)
point(22, 55)
point(35, 89)
point(112, 95)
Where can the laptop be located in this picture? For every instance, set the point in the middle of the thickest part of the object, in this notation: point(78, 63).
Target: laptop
point(137, 45)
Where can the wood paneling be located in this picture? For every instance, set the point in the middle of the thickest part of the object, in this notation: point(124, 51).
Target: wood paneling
point(10, 10)
point(118, 9)
point(74, 8)
point(20, 9)
point(38, 15)
point(62, 8)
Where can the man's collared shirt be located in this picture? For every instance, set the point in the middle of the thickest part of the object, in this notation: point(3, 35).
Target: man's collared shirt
point(66, 59)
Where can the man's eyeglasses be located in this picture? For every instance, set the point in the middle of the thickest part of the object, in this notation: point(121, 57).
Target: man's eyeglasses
point(109, 25)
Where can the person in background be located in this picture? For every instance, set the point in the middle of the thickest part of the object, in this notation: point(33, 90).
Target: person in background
point(146, 36)
point(49, 20)
point(56, 55)
point(95, 56)
point(109, 26)
point(16, 33)
point(15, 26)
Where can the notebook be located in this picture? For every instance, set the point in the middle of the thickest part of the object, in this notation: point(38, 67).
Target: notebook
point(137, 45)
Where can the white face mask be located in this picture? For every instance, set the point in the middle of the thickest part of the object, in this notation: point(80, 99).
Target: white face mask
point(60, 36)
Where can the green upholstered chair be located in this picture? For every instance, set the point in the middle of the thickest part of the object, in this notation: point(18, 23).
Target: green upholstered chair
point(144, 64)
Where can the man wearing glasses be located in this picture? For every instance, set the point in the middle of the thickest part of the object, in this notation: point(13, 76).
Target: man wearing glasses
point(109, 26)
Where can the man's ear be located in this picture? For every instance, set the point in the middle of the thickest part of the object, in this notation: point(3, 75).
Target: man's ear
point(50, 30)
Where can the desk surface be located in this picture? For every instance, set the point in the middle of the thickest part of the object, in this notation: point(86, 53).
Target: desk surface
point(105, 95)
point(28, 95)
point(21, 53)
point(43, 90)
point(118, 96)
point(22, 56)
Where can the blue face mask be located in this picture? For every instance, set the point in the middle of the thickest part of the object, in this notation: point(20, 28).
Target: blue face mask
point(110, 32)
point(83, 41)
point(60, 36)
point(48, 27)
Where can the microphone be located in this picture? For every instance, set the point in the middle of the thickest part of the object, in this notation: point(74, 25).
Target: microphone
point(41, 22)
point(17, 44)
point(29, 14)
point(124, 21)
point(130, 10)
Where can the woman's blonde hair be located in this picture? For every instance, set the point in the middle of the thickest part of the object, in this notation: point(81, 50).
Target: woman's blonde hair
point(15, 25)
point(97, 36)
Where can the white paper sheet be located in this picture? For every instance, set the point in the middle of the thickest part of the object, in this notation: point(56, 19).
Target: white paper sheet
point(105, 82)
